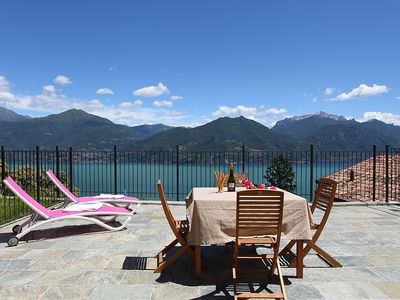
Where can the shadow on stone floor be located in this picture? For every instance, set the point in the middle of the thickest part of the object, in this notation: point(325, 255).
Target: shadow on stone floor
point(4, 236)
point(217, 274)
point(58, 232)
point(136, 263)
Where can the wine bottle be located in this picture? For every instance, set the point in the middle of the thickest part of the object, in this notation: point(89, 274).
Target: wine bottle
point(231, 180)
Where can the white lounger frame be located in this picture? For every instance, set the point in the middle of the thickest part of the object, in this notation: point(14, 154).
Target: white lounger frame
point(94, 217)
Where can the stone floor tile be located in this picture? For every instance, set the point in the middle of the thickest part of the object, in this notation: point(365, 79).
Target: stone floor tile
point(353, 261)
point(176, 291)
point(122, 292)
point(303, 291)
point(354, 290)
point(66, 292)
point(88, 263)
point(387, 273)
point(59, 278)
point(390, 288)
point(379, 260)
point(19, 278)
point(26, 292)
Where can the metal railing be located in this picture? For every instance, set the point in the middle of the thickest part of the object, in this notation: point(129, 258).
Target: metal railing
point(362, 175)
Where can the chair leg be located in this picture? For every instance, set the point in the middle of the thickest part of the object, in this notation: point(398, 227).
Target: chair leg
point(281, 282)
point(287, 248)
point(275, 261)
point(160, 255)
point(324, 255)
point(165, 264)
point(321, 253)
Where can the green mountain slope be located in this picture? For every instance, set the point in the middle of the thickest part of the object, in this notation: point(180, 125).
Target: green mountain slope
point(74, 128)
point(355, 136)
point(9, 115)
point(149, 130)
point(219, 135)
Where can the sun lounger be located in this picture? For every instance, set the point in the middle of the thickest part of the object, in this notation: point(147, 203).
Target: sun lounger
point(93, 212)
point(107, 198)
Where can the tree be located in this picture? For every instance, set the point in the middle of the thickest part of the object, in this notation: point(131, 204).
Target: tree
point(281, 174)
point(5, 170)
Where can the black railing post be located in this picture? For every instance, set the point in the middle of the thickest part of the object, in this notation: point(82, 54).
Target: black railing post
point(177, 172)
point(387, 173)
point(37, 173)
point(3, 167)
point(70, 168)
point(58, 167)
point(115, 170)
point(374, 173)
point(243, 159)
point(311, 171)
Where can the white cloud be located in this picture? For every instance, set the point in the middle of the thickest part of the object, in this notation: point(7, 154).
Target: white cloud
point(247, 111)
point(51, 100)
point(126, 105)
point(62, 80)
point(163, 103)
point(381, 116)
point(4, 84)
point(129, 105)
point(276, 111)
point(363, 91)
point(176, 98)
point(113, 68)
point(151, 91)
point(238, 110)
point(105, 91)
point(94, 104)
point(137, 103)
point(49, 89)
point(398, 97)
point(5, 95)
point(329, 91)
point(260, 114)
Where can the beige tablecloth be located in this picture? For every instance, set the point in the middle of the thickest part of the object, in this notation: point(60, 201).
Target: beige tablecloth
point(212, 217)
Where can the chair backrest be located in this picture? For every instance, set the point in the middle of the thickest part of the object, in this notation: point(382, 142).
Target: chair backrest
point(167, 211)
point(323, 200)
point(259, 212)
point(61, 186)
point(24, 196)
point(325, 195)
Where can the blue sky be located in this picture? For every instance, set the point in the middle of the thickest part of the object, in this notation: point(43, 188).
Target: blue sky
point(189, 62)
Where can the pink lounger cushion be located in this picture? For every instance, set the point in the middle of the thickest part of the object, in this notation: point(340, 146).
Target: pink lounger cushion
point(76, 199)
point(95, 198)
point(50, 214)
point(104, 210)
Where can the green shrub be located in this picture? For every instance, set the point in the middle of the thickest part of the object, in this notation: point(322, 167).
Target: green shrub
point(281, 174)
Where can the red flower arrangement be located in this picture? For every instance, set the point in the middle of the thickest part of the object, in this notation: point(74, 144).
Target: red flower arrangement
point(249, 185)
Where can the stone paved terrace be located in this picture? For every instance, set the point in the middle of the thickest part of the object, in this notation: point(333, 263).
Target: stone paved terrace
point(118, 265)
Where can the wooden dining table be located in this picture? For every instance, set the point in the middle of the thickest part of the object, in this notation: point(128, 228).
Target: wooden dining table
point(212, 218)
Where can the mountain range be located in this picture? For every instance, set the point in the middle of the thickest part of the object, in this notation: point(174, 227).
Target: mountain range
point(9, 115)
point(85, 131)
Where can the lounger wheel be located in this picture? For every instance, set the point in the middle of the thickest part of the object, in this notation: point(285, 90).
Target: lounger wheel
point(16, 229)
point(13, 241)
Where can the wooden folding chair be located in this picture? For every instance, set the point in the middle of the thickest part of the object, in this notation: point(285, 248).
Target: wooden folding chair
point(258, 222)
point(180, 228)
point(323, 200)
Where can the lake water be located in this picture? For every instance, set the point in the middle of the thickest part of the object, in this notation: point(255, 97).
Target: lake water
point(140, 179)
